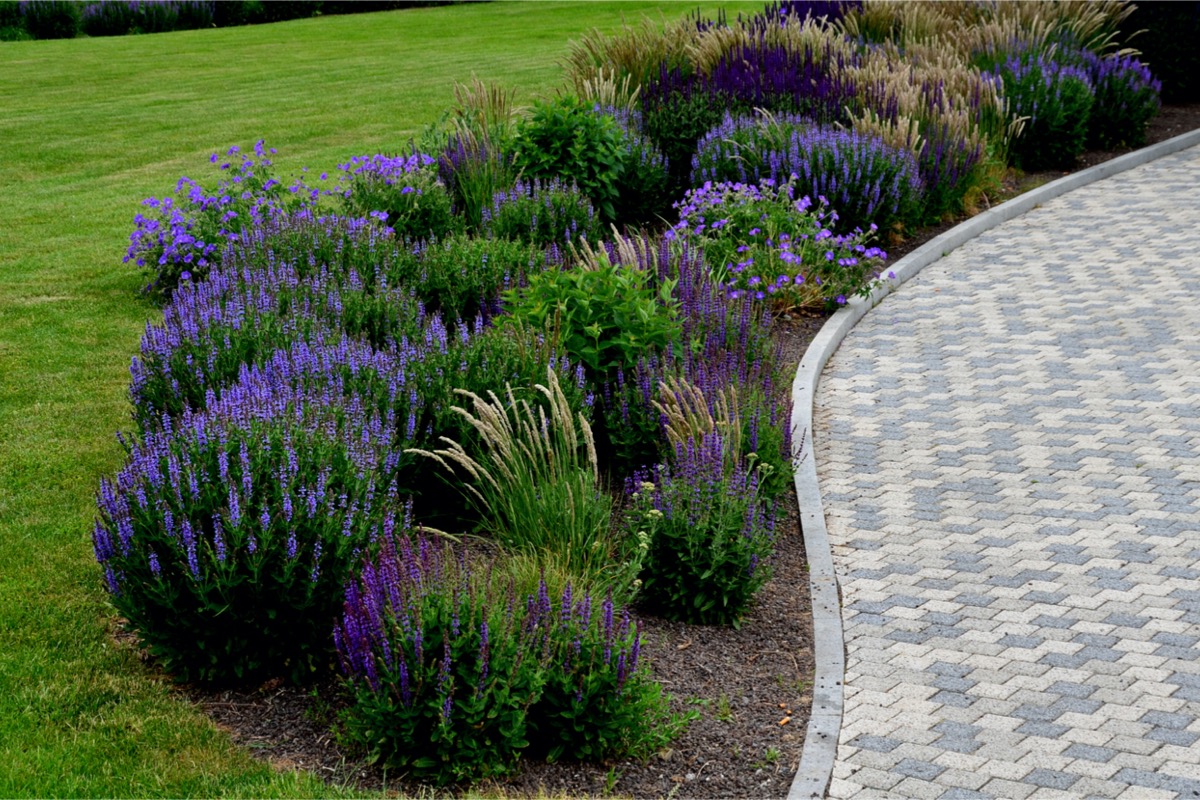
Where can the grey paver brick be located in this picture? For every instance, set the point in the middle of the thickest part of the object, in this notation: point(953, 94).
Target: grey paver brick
point(1009, 472)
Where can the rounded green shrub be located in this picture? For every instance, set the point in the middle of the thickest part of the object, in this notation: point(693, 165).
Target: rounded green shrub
point(566, 140)
point(606, 318)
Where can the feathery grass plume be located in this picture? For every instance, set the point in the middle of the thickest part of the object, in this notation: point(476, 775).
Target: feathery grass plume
point(537, 483)
point(606, 90)
point(486, 108)
point(636, 53)
point(1089, 24)
point(690, 415)
point(897, 21)
point(621, 250)
point(794, 35)
point(476, 163)
point(989, 42)
point(949, 113)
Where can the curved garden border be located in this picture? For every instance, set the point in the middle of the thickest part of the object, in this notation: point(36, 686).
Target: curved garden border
point(825, 721)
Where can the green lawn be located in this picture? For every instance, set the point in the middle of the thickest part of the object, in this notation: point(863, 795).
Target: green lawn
point(88, 128)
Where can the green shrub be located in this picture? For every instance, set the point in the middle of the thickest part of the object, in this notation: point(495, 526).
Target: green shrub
point(463, 275)
point(607, 318)
point(565, 140)
point(707, 532)
point(675, 114)
point(231, 13)
point(644, 187)
point(12, 22)
point(543, 214)
point(52, 19)
point(628, 427)
point(406, 189)
point(284, 10)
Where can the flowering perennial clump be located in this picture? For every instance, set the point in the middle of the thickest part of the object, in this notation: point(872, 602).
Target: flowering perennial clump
point(406, 189)
point(1056, 98)
point(1127, 97)
point(227, 536)
point(763, 241)
point(544, 213)
point(450, 668)
point(866, 180)
point(182, 237)
point(708, 532)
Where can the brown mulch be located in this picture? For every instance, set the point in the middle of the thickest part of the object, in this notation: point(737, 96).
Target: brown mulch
point(751, 686)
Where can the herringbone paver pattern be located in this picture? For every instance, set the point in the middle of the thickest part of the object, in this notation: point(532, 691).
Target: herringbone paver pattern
point(1009, 453)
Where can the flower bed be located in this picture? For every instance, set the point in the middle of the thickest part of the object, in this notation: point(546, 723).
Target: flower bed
point(344, 373)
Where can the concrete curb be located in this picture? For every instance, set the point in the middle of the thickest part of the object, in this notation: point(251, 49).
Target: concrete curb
point(825, 722)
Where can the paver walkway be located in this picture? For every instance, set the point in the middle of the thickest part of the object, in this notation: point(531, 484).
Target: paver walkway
point(1009, 453)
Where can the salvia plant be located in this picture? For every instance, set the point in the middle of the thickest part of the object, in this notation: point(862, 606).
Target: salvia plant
point(449, 669)
point(226, 538)
point(867, 181)
point(644, 185)
point(709, 534)
point(1127, 98)
point(761, 74)
point(1056, 99)
point(121, 17)
point(542, 213)
point(676, 111)
point(213, 330)
point(725, 345)
point(764, 241)
point(405, 188)
point(407, 383)
point(463, 276)
point(829, 10)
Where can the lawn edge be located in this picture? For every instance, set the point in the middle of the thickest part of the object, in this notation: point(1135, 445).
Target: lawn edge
point(825, 720)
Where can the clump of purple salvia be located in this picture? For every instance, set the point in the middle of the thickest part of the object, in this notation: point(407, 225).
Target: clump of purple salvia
point(710, 532)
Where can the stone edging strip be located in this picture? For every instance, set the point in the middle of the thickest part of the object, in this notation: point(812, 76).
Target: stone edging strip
point(825, 721)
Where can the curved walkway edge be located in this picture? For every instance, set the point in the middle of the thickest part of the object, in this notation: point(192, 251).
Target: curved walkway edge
point(821, 738)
